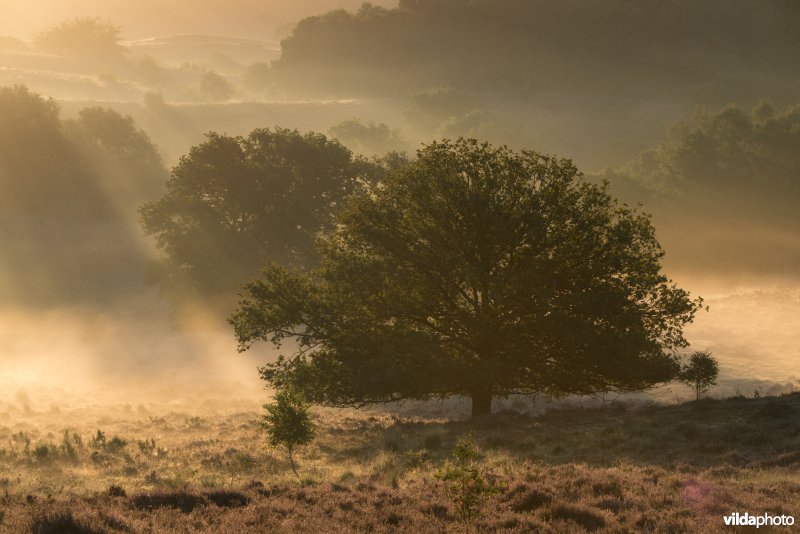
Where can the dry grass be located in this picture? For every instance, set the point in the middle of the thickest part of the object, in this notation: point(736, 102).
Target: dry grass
point(613, 469)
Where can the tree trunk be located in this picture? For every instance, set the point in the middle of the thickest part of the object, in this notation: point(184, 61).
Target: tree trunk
point(481, 402)
point(291, 459)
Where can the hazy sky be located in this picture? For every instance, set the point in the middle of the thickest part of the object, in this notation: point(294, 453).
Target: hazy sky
point(146, 18)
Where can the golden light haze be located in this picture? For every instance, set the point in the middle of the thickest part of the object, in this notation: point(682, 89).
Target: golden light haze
point(187, 67)
point(256, 19)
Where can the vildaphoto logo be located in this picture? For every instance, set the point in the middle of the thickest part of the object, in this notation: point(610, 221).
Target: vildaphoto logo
point(746, 520)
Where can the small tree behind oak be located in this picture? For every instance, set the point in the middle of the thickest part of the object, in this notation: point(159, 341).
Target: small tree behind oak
point(234, 203)
point(288, 423)
point(700, 372)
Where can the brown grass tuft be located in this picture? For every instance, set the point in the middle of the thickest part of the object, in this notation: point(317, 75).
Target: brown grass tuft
point(182, 500)
point(583, 516)
point(60, 522)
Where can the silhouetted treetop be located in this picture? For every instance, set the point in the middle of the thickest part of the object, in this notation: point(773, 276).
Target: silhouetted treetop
point(234, 203)
point(600, 46)
point(82, 37)
point(69, 191)
point(750, 159)
point(733, 172)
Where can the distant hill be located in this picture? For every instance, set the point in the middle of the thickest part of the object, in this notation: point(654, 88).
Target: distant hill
point(682, 49)
point(247, 18)
point(201, 47)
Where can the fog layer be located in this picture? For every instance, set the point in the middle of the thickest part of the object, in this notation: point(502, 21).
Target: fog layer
point(687, 107)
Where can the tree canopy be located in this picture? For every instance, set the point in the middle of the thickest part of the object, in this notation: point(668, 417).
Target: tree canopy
point(69, 191)
point(723, 152)
point(234, 203)
point(608, 47)
point(476, 271)
point(288, 423)
point(719, 170)
point(82, 37)
point(700, 372)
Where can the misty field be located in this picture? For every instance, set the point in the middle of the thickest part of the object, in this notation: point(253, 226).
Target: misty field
point(613, 468)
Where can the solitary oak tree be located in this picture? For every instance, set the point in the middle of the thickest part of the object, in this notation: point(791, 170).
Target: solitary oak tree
point(473, 271)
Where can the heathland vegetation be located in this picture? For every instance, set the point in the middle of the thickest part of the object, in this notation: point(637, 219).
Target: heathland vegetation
point(611, 468)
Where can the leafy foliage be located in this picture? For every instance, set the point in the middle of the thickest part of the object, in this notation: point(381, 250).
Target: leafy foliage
point(700, 372)
point(467, 486)
point(69, 190)
point(84, 37)
point(52, 182)
point(723, 153)
point(288, 423)
point(732, 171)
point(234, 203)
point(477, 271)
point(606, 47)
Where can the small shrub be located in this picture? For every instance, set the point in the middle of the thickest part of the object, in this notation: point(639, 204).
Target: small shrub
point(43, 452)
point(22, 438)
point(59, 522)
point(147, 446)
point(288, 423)
point(194, 421)
point(254, 485)
point(608, 488)
point(180, 500)
point(338, 488)
point(436, 510)
point(98, 441)
point(529, 500)
point(115, 522)
point(394, 518)
point(115, 445)
point(228, 499)
point(584, 517)
point(70, 445)
point(466, 485)
point(614, 506)
point(116, 491)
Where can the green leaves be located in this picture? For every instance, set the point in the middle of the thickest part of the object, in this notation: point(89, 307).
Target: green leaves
point(235, 203)
point(700, 372)
point(474, 269)
point(466, 484)
point(287, 422)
